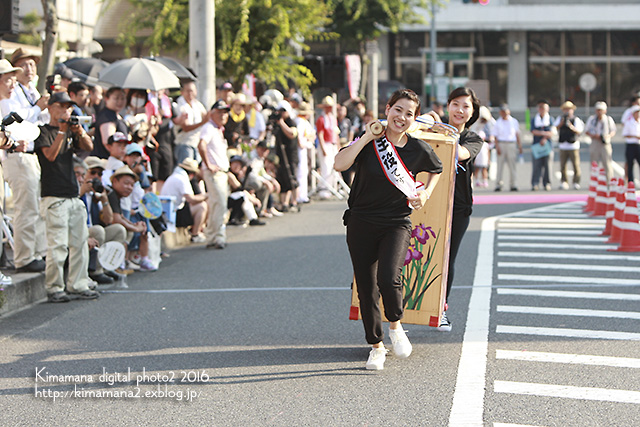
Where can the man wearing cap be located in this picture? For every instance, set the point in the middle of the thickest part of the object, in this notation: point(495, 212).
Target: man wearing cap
point(328, 138)
point(213, 150)
point(192, 116)
point(506, 135)
point(191, 209)
point(631, 133)
point(99, 214)
point(225, 92)
point(601, 128)
point(21, 168)
point(123, 182)
point(64, 212)
point(569, 128)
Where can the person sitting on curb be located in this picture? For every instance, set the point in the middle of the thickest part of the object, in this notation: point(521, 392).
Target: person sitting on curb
point(122, 182)
point(64, 213)
point(99, 215)
point(243, 203)
point(191, 209)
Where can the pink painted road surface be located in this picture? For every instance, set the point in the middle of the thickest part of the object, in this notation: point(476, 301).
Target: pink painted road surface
point(504, 199)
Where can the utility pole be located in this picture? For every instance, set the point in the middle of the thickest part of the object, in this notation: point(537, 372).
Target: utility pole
point(202, 49)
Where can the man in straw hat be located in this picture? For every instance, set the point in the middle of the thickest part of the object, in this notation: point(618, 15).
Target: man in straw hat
point(8, 76)
point(328, 139)
point(191, 209)
point(22, 170)
point(569, 129)
point(64, 212)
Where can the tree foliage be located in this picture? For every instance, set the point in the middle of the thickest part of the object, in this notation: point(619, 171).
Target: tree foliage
point(363, 20)
point(267, 38)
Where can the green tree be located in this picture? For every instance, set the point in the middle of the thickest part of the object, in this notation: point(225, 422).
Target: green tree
point(263, 37)
point(31, 36)
point(267, 38)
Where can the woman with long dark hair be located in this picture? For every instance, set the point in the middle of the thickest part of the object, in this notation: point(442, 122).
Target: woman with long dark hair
point(378, 223)
point(463, 107)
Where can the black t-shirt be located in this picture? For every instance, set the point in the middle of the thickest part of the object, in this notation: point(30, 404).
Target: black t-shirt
point(105, 116)
point(373, 197)
point(57, 178)
point(463, 195)
point(290, 144)
point(114, 202)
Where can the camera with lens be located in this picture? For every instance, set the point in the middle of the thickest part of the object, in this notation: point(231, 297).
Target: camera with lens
point(96, 183)
point(10, 118)
point(275, 116)
point(80, 120)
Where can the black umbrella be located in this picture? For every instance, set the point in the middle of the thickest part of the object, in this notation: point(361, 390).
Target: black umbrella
point(178, 69)
point(86, 69)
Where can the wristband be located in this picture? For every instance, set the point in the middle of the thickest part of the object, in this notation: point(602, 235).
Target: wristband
point(61, 133)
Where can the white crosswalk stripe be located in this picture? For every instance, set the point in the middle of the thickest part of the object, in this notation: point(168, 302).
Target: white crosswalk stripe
point(560, 246)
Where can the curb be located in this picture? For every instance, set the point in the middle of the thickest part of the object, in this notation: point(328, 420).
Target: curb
point(27, 289)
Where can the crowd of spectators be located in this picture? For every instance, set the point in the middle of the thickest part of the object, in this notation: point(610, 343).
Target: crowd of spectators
point(80, 183)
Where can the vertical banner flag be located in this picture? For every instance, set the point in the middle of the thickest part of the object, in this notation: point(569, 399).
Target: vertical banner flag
point(249, 86)
point(354, 74)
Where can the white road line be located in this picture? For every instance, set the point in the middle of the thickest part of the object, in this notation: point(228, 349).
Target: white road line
point(577, 267)
point(567, 332)
point(569, 294)
point(557, 311)
point(568, 279)
point(568, 392)
point(512, 425)
point(564, 256)
point(525, 219)
point(538, 225)
point(195, 291)
point(550, 246)
point(573, 359)
point(468, 399)
point(563, 215)
point(546, 238)
point(552, 231)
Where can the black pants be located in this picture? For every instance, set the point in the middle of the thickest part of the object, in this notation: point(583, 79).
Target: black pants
point(632, 153)
point(459, 225)
point(377, 254)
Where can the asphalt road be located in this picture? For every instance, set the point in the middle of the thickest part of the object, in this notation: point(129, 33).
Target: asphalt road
point(258, 334)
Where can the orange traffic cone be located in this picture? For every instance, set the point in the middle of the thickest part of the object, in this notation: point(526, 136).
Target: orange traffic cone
point(618, 214)
point(593, 183)
point(600, 205)
point(631, 226)
point(611, 199)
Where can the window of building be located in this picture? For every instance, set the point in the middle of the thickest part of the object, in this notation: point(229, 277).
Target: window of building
point(497, 75)
point(625, 43)
point(492, 43)
point(544, 83)
point(544, 43)
point(583, 43)
point(572, 85)
point(411, 43)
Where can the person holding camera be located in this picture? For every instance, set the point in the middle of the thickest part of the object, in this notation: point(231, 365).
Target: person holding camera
point(65, 214)
point(601, 128)
point(569, 128)
point(21, 167)
point(286, 133)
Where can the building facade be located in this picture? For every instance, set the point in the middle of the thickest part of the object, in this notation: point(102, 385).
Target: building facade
point(519, 51)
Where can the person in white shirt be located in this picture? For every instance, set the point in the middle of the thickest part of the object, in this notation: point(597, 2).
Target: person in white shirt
point(257, 123)
point(569, 128)
point(633, 102)
point(631, 133)
point(601, 128)
point(505, 136)
point(192, 116)
point(306, 141)
point(22, 170)
point(213, 150)
point(191, 209)
point(542, 130)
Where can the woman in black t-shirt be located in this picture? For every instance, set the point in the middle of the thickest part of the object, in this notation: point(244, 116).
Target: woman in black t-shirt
point(378, 224)
point(463, 107)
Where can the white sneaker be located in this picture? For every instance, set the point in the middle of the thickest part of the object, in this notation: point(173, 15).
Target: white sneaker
point(576, 186)
point(564, 186)
point(5, 280)
point(445, 324)
point(401, 345)
point(377, 356)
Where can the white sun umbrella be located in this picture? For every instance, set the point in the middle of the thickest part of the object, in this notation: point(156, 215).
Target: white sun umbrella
point(139, 73)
